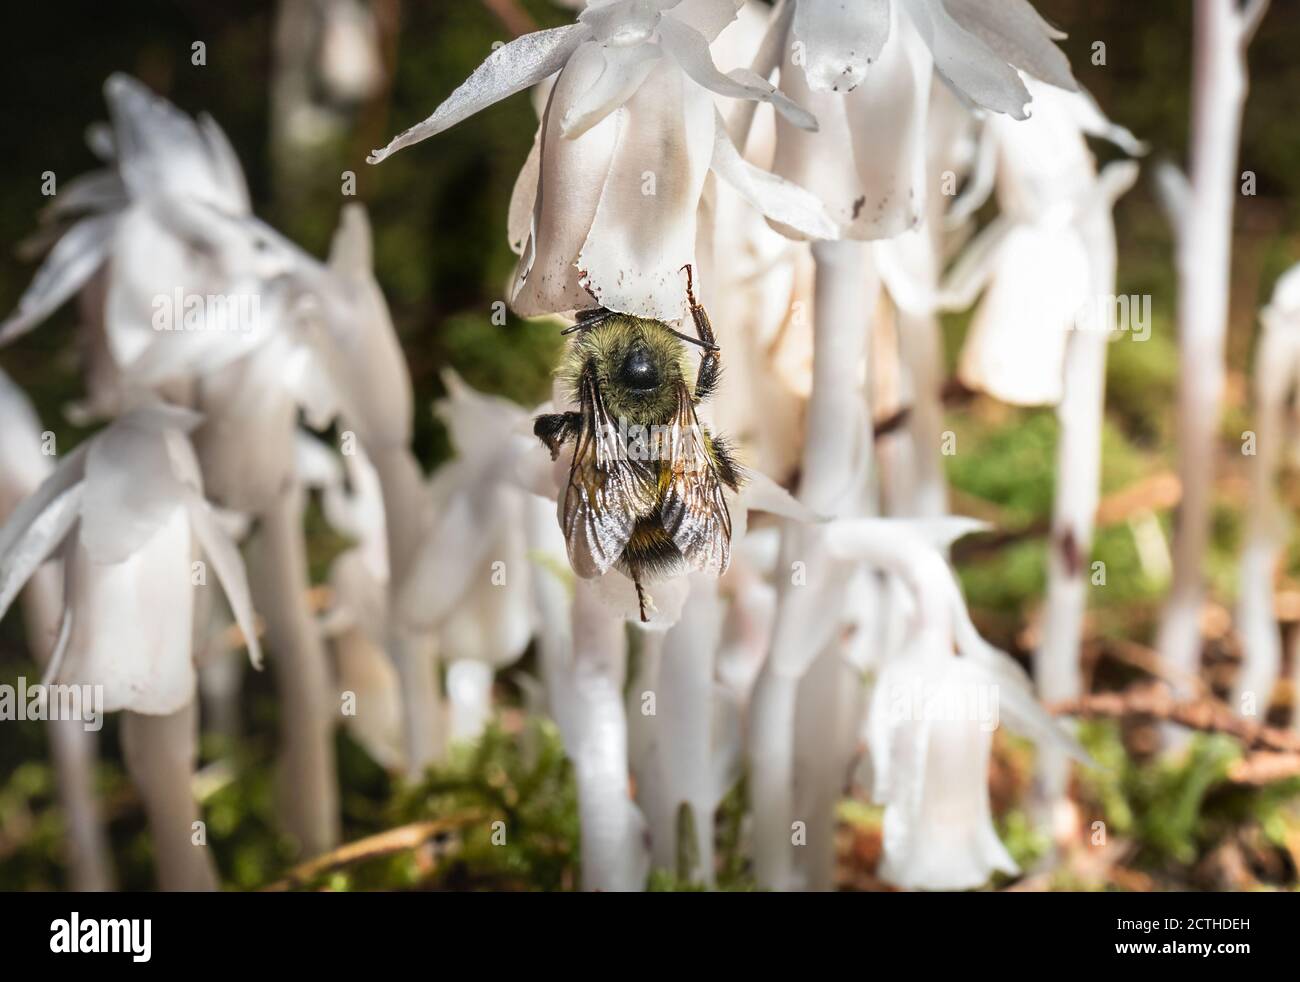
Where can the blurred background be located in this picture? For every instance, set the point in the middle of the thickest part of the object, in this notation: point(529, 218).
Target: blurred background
point(303, 104)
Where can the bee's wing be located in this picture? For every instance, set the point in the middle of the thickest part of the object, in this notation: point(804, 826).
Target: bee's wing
point(694, 511)
point(607, 492)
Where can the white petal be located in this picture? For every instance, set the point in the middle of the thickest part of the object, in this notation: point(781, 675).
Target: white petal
point(691, 51)
point(229, 567)
point(523, 199)
point(509, 69)
point(226, 169)
point(841, 38)
point(160, 150)
point(761, 493)
point(1015, 348)
point(1015, 32)
point(622, 23)
point(708, 17)
point(36, 542)
point(625, 70)
point(639, 241)
point(73, 260)
point(131, 491)
point(887, 122)
point(134, 624)
point(71, 470)
point(570, 177)
point(967, 63)
point(377, 378)
point(776, 198)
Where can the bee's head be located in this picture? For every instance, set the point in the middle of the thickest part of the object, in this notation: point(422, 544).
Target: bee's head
point(638, 365)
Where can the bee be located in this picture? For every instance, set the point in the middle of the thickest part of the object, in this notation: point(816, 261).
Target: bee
point(645, 489)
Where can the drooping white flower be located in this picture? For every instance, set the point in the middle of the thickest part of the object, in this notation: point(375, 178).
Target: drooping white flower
point(605, 210)
point(1044, 263)
point(936, 702)
point(127, 514)
point(864, 70)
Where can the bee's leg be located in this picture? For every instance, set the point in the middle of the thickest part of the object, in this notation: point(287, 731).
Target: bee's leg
point(711, 362)
point(554, 429)
point(642, 599)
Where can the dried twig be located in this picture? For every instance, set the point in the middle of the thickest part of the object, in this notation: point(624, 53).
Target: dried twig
point(1154, 701)
point(400, 839)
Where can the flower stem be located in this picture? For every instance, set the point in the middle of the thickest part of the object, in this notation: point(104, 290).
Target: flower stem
point(309, 790)
point(160, 753)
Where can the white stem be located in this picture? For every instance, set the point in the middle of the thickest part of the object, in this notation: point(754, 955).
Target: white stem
point(72, 748)
point(811, 585)
point(645, 752)
point(160, 754)
point(469, 695)
point(614, 855)
point(1078, 487)
point(1261, 643)
point(921, 348)
point(1204, 268)
point(309, 707)
point(829, 710)
point(685, 720)
point(414, 655)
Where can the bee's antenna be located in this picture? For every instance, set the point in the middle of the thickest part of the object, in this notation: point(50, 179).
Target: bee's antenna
point(706, 345)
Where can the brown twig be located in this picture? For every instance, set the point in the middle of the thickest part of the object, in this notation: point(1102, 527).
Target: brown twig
point(401, 839)
point(1154, 701)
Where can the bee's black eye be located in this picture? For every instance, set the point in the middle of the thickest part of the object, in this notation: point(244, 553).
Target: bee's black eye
point(638, 371)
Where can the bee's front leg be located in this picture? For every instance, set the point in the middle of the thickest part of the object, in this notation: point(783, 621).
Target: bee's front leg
point(554, 429)
point(711, 363)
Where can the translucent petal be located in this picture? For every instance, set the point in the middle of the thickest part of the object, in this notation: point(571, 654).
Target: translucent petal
point(776, 198)
point(36, 542)
point(131, 491)
point(840, 38)
point(644, 229)
point(968, 64)
point(625, 69)
point(691, 50)
point(73, 260)
point(1014, 31)
point(226, 562)
point(509, 69)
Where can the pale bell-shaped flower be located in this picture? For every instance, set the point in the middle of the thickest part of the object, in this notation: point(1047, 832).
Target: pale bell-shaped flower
point(356, 622)
point(185, 265)
point(864, 70)
point(605, 209)
point(1046, 265)
point(126, 513)
point(23, 462)
point(932, 721)
point(937, 699)
point(471, 580)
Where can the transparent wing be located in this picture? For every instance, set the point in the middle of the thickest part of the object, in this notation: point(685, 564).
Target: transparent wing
point(607, 492)
point(694, 511)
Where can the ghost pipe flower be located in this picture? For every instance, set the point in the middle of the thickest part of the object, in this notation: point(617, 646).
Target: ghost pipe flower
point(1200, 208)
point(470, 582)
point(25, 462)
point(126, 512)
point(357, 622)
point(628, 137)
point(1277, 362)
point(865, 69)
point(932, 713)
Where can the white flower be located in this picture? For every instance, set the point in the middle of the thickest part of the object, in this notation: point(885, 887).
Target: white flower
point(935, 704)
point(1048, 260)
point(865, 69)
point(127, 514)
point(605, 208)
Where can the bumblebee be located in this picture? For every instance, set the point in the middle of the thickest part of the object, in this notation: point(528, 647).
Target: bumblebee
point(645, 489)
